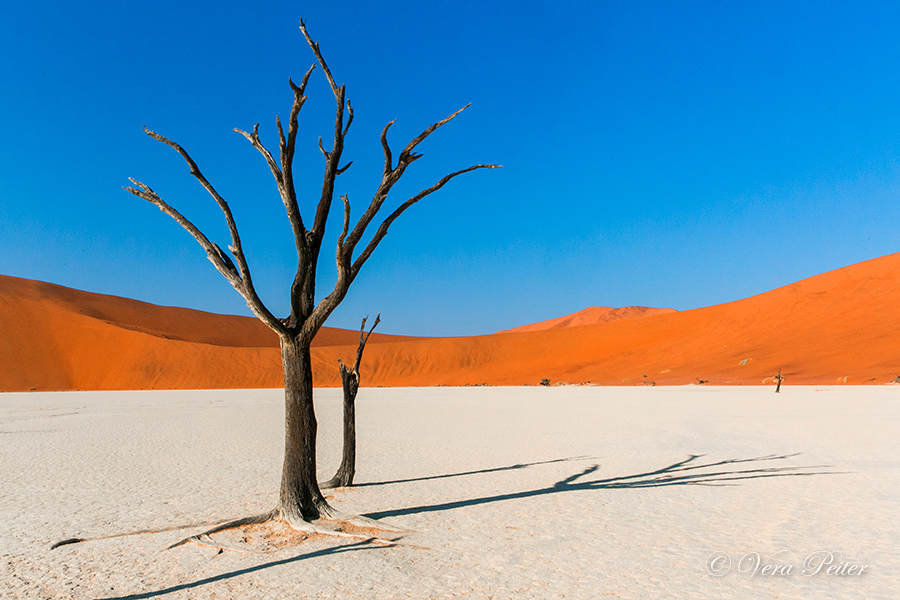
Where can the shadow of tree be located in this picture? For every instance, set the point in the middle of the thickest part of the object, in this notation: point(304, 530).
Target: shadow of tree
point(685, 472)
point(363, 545)
point(479, 472)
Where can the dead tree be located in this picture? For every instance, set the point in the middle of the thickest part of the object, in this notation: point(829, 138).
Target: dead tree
point(350, 384)
point(778, 379)
point(300, 500)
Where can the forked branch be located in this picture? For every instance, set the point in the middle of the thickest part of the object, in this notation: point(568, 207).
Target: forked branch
point(340, 242)
point(315, 49)
point(216, 256)
point(287, 146)
point(229, 218)
point(347, 243)
point(253, 138)
point(363, 338)
point(392, 175)
point(238, 276)
point(388, 159)
point(333, 157)
point(407, 156)
point(383, 228)
point(284, 178)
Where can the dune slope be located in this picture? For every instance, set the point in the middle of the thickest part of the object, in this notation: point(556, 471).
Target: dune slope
point(591, 316)
point(56, 338)
point(838, 327)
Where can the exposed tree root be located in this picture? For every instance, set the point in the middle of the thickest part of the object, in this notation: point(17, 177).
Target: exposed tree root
point(139, 532)
point(205, 540)
point(268, 516)
point(363, 522)
point(335, 524)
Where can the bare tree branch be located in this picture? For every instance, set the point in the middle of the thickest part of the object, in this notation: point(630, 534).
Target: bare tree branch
point(331, 158)
point(287, 157)
point(349, 119)
point(407, 154)
point(363, 338)
point(253, 138)
point(229, 218)
point(340, 242)
point(391, 176)
point(215, 254)
point(315, 49)
point(307, 292)
point(383, 228)
point(287, 146)
point(388, 159)
point(346, 273)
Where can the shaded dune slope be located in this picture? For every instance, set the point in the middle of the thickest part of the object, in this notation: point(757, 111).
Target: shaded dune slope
point(838, 327)
point(57, 338)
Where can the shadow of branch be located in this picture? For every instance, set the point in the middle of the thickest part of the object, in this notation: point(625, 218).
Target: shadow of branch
point(684, 472)
point(363, 545)
point(479, 472)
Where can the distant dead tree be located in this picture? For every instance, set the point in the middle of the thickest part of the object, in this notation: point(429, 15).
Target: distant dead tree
point(350, 385)
point(300, 499)
point(778, 379)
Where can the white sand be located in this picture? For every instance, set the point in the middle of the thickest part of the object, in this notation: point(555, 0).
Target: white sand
point(440, 461)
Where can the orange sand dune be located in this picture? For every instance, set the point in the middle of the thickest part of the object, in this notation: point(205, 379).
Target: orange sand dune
point(839, 327)
point(57, 338)
point(593, 315)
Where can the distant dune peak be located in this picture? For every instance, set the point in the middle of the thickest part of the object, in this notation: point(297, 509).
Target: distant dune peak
point(593, 315)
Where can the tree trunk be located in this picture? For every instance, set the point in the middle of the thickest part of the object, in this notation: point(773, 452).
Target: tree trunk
point(345, 473)
point(300, 498)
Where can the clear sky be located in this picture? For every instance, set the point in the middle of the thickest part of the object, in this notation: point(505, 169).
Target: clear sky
point(666, 154)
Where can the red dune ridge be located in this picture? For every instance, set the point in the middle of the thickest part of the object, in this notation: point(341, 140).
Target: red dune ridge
point(838, 327)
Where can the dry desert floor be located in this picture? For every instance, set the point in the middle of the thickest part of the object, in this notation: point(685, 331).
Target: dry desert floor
point(520, 492)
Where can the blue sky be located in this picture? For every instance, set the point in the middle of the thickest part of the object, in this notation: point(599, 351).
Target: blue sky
point(667, 154)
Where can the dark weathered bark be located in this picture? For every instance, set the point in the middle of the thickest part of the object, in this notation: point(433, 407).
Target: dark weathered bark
point(300, 498)
point(350, 385)
point(778, 380)
point(345, 473)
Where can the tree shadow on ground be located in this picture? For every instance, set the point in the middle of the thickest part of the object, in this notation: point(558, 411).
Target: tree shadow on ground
point(363, 545)
point(479, 472)
point(685, 472)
